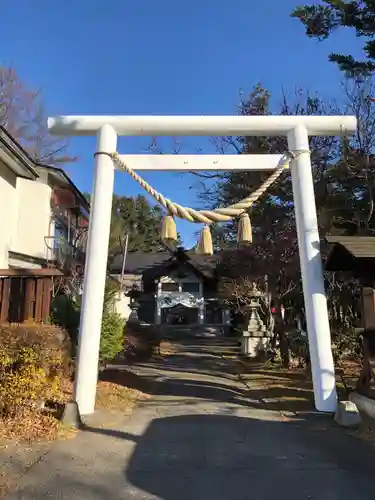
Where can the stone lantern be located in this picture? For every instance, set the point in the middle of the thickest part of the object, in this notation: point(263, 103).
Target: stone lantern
point(134, 305)
point(256, 338)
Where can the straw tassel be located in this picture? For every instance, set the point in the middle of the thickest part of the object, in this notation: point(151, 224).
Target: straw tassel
point(244, 231)
point(168, 229)
point(205, 246)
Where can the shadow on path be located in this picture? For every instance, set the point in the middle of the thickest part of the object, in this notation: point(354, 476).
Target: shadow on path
point(203, 437)
point(210, 378)
point(218, 457)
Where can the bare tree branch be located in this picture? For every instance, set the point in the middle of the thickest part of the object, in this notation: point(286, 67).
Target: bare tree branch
point(22, 114)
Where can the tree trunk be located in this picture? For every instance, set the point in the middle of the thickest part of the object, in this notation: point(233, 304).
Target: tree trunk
point(284, 349)
point(365, 382)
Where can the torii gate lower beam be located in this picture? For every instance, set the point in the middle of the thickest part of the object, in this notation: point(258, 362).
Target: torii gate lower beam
point(297, 130)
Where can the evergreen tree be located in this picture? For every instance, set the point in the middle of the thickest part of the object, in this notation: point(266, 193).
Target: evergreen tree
point(343, 174)
point(137, 218)
point(322, 19)
point(274, 250)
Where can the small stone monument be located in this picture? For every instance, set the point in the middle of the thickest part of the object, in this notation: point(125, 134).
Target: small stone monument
point(134, 305)
point(256, 338)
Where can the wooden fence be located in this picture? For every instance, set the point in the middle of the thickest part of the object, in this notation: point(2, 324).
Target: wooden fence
point(26, 294)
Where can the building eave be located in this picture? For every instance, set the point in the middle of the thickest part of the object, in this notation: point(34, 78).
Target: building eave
point(15, 157)
point(61, 175)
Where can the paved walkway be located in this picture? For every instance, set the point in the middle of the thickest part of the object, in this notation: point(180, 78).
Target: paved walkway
point(200, 438)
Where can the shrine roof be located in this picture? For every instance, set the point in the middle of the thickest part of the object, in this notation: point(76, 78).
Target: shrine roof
point(351, 253)
point(358, 246)
point(141, 262)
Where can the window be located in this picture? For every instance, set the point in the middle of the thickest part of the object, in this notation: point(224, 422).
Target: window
point(61, 231)
point(169, 287)
point(59, 244)
point(191, 287)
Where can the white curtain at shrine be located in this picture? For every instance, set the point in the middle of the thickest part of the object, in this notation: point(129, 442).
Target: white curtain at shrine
point(171, 299)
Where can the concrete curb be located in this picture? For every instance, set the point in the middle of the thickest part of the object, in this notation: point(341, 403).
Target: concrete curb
point(363, 403)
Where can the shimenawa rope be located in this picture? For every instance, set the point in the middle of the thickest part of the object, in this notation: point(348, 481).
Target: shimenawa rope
point(207, 217)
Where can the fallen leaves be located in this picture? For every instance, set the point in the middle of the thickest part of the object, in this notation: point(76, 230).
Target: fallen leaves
point(111, 396)
point(19, 435)
point(167, 348)
point(33, 425)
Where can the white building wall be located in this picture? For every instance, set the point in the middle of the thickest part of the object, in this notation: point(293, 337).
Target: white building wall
point(8, 212)
point(33, 218)
point(122, 305)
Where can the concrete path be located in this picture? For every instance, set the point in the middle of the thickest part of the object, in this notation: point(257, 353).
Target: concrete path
point(200, 438)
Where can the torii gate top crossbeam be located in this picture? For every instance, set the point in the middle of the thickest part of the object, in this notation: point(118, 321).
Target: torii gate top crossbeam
point(133, 125)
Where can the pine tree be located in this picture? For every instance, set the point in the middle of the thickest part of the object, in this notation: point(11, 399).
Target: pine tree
point(321, 20)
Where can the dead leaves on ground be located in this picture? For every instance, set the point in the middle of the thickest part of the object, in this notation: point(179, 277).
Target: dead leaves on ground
point(34, 425)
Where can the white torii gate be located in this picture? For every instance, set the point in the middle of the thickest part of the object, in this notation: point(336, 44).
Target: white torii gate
point(297, 129)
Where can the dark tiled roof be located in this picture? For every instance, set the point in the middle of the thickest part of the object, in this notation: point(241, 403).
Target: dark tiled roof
point(354, 254)
point(204, 263)
point(21, 161)
point(361, 247)
point(139, 262)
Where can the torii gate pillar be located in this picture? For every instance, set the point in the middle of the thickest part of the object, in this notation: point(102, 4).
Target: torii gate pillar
point(322, 367)
point(297, 129)
point(95, 273)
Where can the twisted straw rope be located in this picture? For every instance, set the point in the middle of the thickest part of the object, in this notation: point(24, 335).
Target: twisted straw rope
point(206, 216)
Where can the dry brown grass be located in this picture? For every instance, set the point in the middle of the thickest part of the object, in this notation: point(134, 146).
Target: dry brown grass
point(291, 389)
point(7, 483)
point(114, 397)
point(34, 425)
point(349, 371)
point(24, 438)
point(279, 389)
point(167, 348)
point(111, 395)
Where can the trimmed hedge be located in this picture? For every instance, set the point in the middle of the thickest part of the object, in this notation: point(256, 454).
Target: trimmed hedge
point(33, 357)
point(111, 337)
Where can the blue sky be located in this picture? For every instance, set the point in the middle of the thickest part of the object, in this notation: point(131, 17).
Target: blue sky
point(161, 57)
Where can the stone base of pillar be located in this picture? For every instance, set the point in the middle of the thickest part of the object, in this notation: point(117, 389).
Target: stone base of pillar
point(254, 347)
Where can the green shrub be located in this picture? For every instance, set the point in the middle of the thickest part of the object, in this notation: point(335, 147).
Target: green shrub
point(32, 359)
point(346, 343)
point(112, 331)
point(112, 336)
point(298, 346)
point(65, 312)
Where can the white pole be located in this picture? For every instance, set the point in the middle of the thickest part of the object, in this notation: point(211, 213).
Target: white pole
point(95, 273)
point(322, 365)
point(124, 260)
